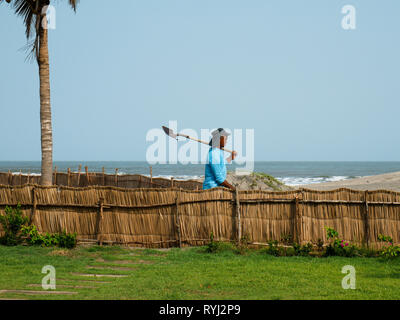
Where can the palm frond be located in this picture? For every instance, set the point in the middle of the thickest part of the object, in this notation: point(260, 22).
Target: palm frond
point(26, 9)
point(30, 49)
point(73, 4)
point(31, 12)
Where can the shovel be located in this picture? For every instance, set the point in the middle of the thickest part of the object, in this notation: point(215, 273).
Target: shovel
point(171, 133)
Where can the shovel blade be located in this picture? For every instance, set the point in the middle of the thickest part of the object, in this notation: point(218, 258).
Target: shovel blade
point(169, 132)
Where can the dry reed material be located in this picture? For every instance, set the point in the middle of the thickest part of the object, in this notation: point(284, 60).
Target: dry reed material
point(84, 179)
point(166, 217)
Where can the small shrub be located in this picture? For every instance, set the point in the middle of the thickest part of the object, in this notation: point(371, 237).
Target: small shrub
point(302, 250)
point(339, 247)
point(31, 235)
point(63, 239)
point(212, 246)
point(217, 246)
point(67, 240)
point(389, 251)
point(243, 246)
point(50, 239)
point(288, 252)
point(12, 222)
point(384, 238)
point(320, 245)
point(273, 248)
point(331, 233)
point(286, 239)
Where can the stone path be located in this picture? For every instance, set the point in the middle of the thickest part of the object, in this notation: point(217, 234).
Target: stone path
point(78, 286)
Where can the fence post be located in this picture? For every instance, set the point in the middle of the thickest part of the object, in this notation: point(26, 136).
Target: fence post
point(151, 176)
point(99, 220)
point(79, 173)
point(116, 177)
point(366, 222)
point(33, 205)
point(87, 175)
point(172, 182)
point(68, 178)
point(55, 175)
point(298, 219)
point(177, 219)
point(238, 222)
point(20, 177)
point(104, 182)
point(29, 176)
point(296, 235)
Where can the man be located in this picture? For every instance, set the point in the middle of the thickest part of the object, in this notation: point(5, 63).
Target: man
point(215, 171)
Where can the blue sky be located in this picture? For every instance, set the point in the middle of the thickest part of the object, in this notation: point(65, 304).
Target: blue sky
point(308, 88)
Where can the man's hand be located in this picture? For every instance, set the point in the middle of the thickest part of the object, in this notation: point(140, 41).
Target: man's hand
point(232, 157)
point(226, 184)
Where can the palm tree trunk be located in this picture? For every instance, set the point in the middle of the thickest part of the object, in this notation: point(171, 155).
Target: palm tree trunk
point(45, 110)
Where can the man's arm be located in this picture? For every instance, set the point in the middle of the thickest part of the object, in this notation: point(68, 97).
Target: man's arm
point(217, 164)
point(228, 185)
point(232, 157)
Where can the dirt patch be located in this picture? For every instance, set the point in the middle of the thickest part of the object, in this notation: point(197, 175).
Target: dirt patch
point(126, 262)
point(64, 286)
point(120, 261)
point(100, 275)
point(37, 292)
point(161, 250)
point(143, 262)
point(110, 268)
point(87, 281)
point(60, 252)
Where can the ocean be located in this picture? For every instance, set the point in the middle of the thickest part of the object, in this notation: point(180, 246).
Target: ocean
point(290, 172)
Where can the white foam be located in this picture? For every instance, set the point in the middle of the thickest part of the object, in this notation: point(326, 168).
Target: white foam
point(295, 181)
point(337, 178)
point(290, 181)
point(182, 177)
point(26, 174)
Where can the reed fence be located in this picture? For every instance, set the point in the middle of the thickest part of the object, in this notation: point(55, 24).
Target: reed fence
point(84, 179)
point(167, 217)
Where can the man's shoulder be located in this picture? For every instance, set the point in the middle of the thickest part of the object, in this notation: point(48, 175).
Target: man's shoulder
point(216, 156)
point(216, 152)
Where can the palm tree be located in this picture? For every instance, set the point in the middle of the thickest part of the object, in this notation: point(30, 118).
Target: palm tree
point(35, 19)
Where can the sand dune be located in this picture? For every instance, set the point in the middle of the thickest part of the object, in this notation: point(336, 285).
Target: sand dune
point(388, 181)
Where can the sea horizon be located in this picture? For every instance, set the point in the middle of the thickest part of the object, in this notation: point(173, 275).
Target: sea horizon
point(289, 172)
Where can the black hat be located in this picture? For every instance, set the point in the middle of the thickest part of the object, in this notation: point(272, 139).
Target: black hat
point(216, 134)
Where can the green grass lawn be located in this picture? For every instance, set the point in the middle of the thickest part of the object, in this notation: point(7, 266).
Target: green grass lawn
point(192, 274)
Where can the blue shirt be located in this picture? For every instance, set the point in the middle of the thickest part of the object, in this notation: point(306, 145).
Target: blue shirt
point(215, 172)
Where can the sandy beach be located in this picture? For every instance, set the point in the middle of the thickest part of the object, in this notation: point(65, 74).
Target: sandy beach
point(261, 181)
point(387, 181)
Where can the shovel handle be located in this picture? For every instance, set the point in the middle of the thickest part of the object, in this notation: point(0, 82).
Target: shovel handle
point(201, 141)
